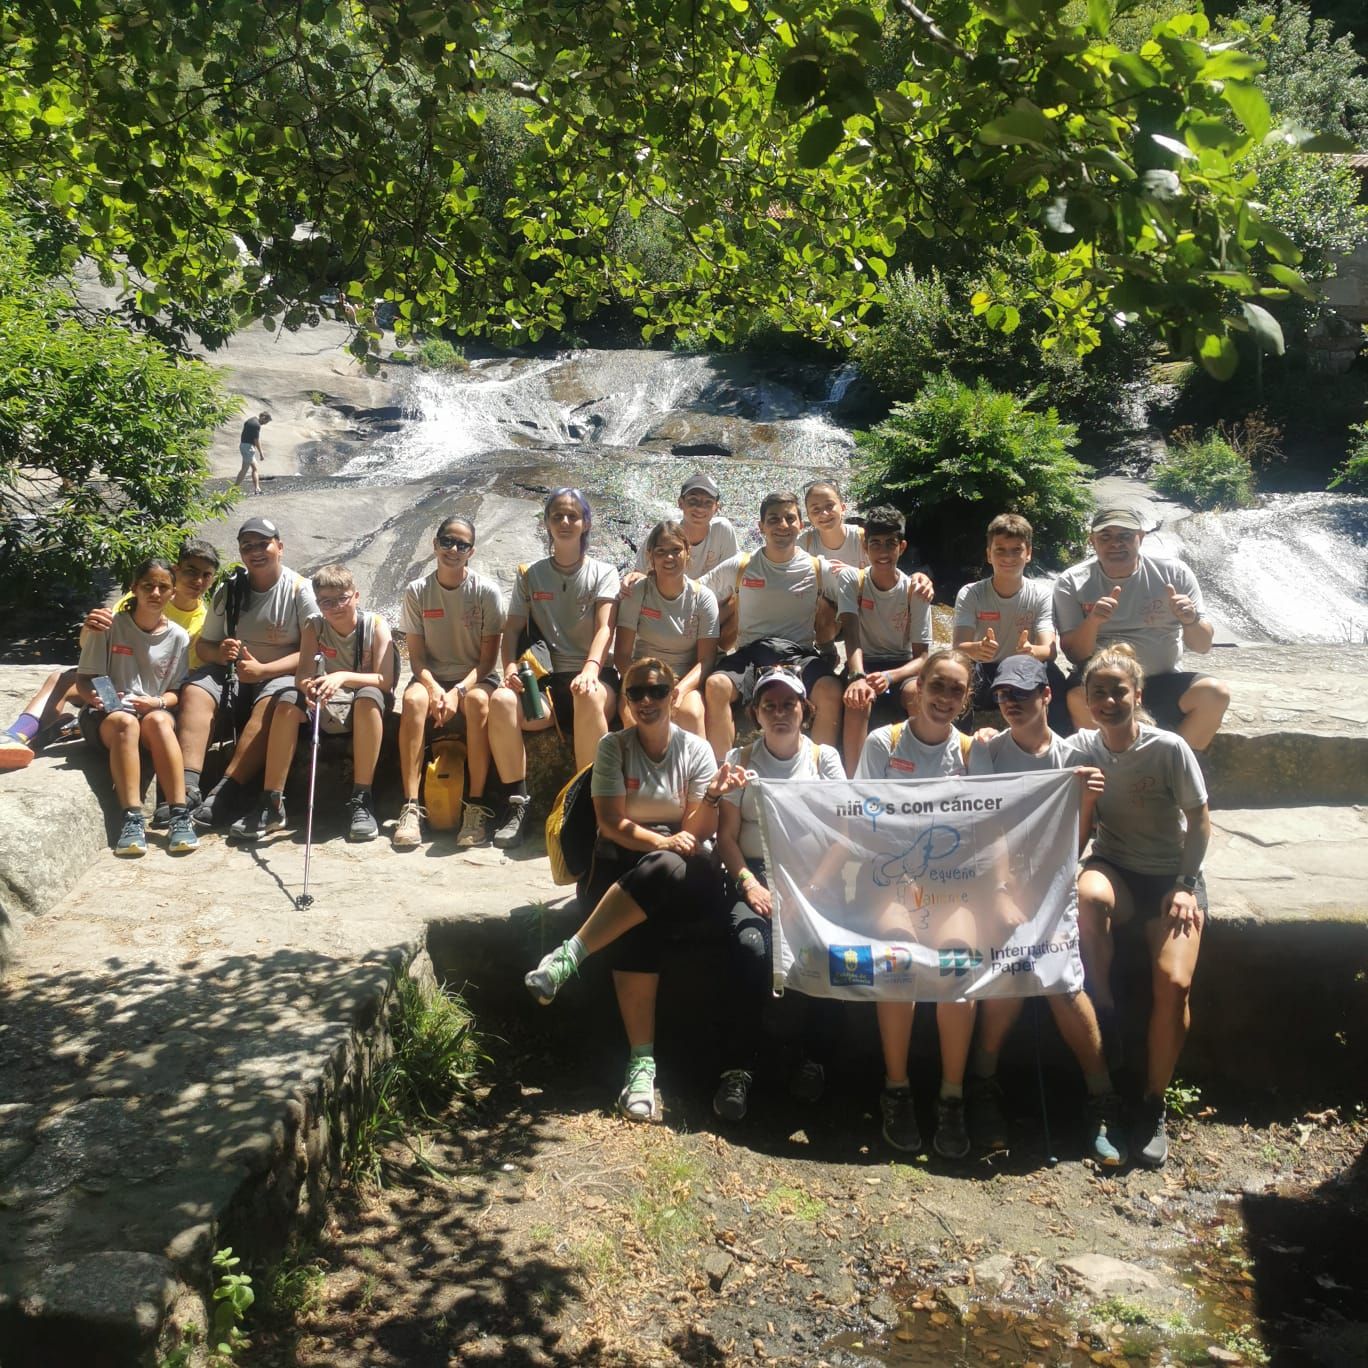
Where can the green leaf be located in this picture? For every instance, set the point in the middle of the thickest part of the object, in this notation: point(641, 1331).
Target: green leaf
point(1217, 353)
point(858, 21)
point(799, 82)
point(1100, 16)
point(1230, 65)
point(1327, 142)
point(1250, 108)
point(1234, 280)
point(1163, 186)
point(1179, 149)
point(895, 107)
point(1202, 131)
point(1022, 124)
point(819, 142)
point(1265, 327)
point(1280, 246)
point(1285, 275)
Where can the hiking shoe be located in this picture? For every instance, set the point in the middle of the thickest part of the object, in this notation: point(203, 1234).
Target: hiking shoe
point(807, 1082)
point(181, 838)
point(14, 753)
point(510, 832)
point(132, 840)
point(951, 1139)
point(214, 810)
point(161, 817)
point(269, 817)
point(900, 1119)
point(733, 1092)
point(638, 1100)
point(1150, 1136)
point(474, 826)
point(986, 1117)
point(363, 826)
point(1103, 1133)
point(547, 979)
point(408, 831)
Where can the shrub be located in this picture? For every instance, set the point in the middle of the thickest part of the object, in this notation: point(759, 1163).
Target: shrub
point(957, 454)
point(1352, 475)
point(1206, 472)
point(436, 353)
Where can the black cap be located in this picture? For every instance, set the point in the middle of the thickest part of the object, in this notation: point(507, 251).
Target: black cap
point(262, 527)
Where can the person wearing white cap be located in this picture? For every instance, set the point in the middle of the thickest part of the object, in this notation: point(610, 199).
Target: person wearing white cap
point(1155, 606)
point(711, 538)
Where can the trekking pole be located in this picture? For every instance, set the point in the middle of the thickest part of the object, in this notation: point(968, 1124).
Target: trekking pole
point(1051, 1158)
point(305, 899)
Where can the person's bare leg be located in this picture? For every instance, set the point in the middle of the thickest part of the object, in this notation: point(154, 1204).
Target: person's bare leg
point(826, 703)
point(119, 732)
point(281, 745)
point(592, 714)
point(368, 731)
point(688, 716)
point(617, 912)
point(996, 1017)
point(1078, 708)
point(195, 725)
point(1076, 1019)
point(159, 736)
point(955, 1021)
point(412, 730)
point(1175, 960)
point(718, 693)
point(854, 732)
point(1096, 907)
point(636, 995)
point(505, 736)
point(895, 1036)
point(476, 711)
point(1203, 707)
point(249, 755)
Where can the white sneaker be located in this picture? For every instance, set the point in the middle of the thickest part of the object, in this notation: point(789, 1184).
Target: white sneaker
point(409, 831)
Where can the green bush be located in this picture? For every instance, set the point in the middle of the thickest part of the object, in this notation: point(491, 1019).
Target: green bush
point(1206, 472)
point(959, 454)
point(1352, 475)
point(436, 353)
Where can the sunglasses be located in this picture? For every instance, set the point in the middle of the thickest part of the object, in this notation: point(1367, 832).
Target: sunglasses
point(658, 693)
point(329, 605)
point(455, 544)
point(1015, 695)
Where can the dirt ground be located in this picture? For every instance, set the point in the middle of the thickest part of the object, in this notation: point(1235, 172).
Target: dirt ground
point(533, 1226)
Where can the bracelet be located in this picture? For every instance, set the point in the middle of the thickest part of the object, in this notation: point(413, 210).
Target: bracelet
point(859, 674)
point(712, 799)
point(745, 876)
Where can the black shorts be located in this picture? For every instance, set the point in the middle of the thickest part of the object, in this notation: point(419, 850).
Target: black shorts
point(557, 684)
point(1147, 891)
point(1160, 695)
point(743, 667)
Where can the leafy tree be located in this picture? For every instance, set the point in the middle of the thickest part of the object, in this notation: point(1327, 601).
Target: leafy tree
point(959, 454)
point(102, 440)
point(1206, 472)
point(784, 152)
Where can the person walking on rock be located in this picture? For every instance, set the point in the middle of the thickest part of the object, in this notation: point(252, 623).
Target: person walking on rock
point(249, 447)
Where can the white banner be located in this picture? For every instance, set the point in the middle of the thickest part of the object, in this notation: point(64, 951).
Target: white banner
point(938, 890)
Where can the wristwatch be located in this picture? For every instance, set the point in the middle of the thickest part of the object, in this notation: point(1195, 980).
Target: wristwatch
point(851, 678)
point(1187, 882)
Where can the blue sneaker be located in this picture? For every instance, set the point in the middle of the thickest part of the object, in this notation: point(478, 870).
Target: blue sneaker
point(132, 840)
point(180, 838)
point(1104, 1132)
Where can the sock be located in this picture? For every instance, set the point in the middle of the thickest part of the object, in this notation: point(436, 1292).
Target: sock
point(574, 947)
point(952, 1090)
point(361, 790)
point(1098, 1084)
point(983, 1063)
point(192, 779)
point(890, 1086)
point(273, 798)
point(518, 788)
point(178, 809)
point(25, 729)
point(133, 812)
point(646, 1051)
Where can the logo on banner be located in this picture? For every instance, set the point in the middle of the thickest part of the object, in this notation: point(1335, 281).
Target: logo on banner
point(935, 844)
point(850, 965)
point(959, 962)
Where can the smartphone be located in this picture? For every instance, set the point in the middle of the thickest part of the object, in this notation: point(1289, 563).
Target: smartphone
point(107, 693)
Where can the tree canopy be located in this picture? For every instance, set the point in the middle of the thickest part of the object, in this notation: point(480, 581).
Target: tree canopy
point(237, 157)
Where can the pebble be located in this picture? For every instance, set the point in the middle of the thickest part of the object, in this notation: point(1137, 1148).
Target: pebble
point(717, 1266)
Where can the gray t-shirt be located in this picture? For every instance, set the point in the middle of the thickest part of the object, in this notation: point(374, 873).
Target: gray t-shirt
point(658, 793)
point(1142, 618)
point(849, 553)
point(561, 606)
point(1002, 755)
point(811, 761)
point(909, 758)
point(892, 620)
point(979, 606)
point(138, 662)
point(271, 622)
point(776, 600)
point(717, 546)
point(452, 622)
point(669, 629)
point(1140, 823)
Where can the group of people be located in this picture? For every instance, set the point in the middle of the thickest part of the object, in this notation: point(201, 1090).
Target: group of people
point(640, 673)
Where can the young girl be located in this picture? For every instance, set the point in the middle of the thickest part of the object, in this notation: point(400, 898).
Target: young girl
point(569, 599)
point(829, 534)
point(927, 746)
point(672, 618)
point(145, 656)
point(1145, 869)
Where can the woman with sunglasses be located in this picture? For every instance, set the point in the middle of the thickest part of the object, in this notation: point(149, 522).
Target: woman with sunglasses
point(669, 617)
point(656, 791)
point(451, 621)
point(568, 599)
point(779, 706)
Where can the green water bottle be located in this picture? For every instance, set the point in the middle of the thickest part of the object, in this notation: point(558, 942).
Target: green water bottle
point(533, 705)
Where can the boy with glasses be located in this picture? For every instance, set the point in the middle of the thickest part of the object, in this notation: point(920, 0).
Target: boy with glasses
point(354, 689)
point(1022, 693)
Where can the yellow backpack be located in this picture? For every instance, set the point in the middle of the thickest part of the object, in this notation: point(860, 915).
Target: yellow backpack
point(895, 735)
point(444, 783)
point(571, 829)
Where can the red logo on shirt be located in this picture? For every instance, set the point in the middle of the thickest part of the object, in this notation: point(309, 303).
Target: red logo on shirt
point(752, 584)
point(328, 651)
point(651, 613)
point(906, 766)
point(990, 617)
point(121, 650)
point(542, 595)
point(434, 612)
point(634, 783)
point(867, 605)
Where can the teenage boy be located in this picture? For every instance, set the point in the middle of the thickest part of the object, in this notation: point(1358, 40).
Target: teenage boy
point(264, 651)
point(894, 633)
point(195, 569)
point(354, 686)
point(249, 448)
point(1022, 694)
point(1008, 615)
point(1155, 606)
point(711, 538)
point(775, 592)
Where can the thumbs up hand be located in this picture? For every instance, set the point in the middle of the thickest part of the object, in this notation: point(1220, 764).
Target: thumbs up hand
point(1181, 606)
point(984, 649)
point(1108, 603)
point(1023, 645)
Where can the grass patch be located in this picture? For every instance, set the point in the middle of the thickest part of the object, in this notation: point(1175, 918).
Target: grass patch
point(598, 1259)
point(1120, 1311)
point(293, 1287)
point(665, 1211)
point(1182, 1099)
point(436, 1058)
point(791, 1201)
